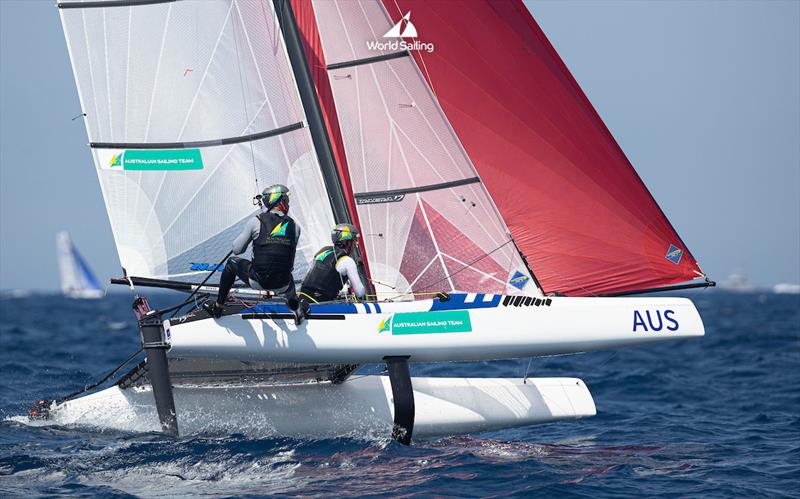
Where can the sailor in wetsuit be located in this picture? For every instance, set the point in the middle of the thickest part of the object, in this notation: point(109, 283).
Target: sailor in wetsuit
point(274, 236)
point(333, 267)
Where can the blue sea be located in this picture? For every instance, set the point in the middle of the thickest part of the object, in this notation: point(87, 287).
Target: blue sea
point(714, 417)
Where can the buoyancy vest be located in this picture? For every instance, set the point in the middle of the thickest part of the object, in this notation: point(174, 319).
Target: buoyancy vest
point(323, 280)
point(274, 250)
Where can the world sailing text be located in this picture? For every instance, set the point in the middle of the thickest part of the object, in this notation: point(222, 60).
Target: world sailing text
point(396, 45)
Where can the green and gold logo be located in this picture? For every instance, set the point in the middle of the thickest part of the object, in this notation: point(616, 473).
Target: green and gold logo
point(274, 196)
point(157, 159)
point(279, 230)
point(116, 160)
point(445, 321)
point(322, 255)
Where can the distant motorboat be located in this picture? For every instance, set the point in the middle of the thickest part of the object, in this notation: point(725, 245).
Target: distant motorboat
point(77, 279)
point(786, 289)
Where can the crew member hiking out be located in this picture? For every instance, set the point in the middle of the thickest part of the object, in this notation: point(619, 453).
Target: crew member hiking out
point(333, 267)
point(274, 236)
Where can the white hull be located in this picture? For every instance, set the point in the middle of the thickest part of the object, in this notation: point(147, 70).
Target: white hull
point(488, 331)
point(361, 407)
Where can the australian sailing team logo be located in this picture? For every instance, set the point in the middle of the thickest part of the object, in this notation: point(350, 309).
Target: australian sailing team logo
point(116, 160)
point(674, 254)
point(446, 321)
point(279, 230)
point(322, 255)
point(150, 159)
point(401, 36)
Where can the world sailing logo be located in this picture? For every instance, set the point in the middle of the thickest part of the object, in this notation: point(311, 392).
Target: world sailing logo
point(403, 29)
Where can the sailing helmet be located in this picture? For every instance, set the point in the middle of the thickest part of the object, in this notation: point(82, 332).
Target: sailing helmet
point(343, 236)
point(276, 195)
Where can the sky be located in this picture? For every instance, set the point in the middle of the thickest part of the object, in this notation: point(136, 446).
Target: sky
point(703, 97)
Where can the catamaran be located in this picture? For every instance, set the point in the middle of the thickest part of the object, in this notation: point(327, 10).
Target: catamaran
point(500, 218)
point(77, 279)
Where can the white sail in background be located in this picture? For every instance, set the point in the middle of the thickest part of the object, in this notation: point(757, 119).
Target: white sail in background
point(428, 222)
point(77, 280)
point(192, 109)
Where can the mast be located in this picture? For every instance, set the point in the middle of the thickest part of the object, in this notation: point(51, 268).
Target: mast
point(308, 97)
point(316, 123)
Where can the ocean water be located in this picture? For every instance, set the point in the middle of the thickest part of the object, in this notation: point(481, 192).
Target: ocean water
point(714, 417)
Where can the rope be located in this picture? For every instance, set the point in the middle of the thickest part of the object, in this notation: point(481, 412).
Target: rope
point(525, 376)
point(470, 264)
point(225, 259)
point(95, 385)
point(307, 296)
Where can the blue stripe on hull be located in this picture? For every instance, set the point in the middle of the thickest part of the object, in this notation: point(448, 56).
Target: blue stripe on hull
point(456, 302)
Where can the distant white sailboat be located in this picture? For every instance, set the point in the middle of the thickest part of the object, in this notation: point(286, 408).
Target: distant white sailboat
point(77, 279)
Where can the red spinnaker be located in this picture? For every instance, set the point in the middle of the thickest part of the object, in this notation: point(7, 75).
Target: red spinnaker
point(570, 197)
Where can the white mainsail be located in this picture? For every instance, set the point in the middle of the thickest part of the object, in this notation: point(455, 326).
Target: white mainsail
point(428, 222)
point(77, 279)
point(191, 109)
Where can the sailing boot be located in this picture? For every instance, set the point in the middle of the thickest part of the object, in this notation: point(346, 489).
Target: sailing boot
point(213, 308)
point(300, 312)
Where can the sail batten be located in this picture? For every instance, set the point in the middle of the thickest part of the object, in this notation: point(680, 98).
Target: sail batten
point(109, 3)
point(199, 143)
point(369, 60)
point(389, 196)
